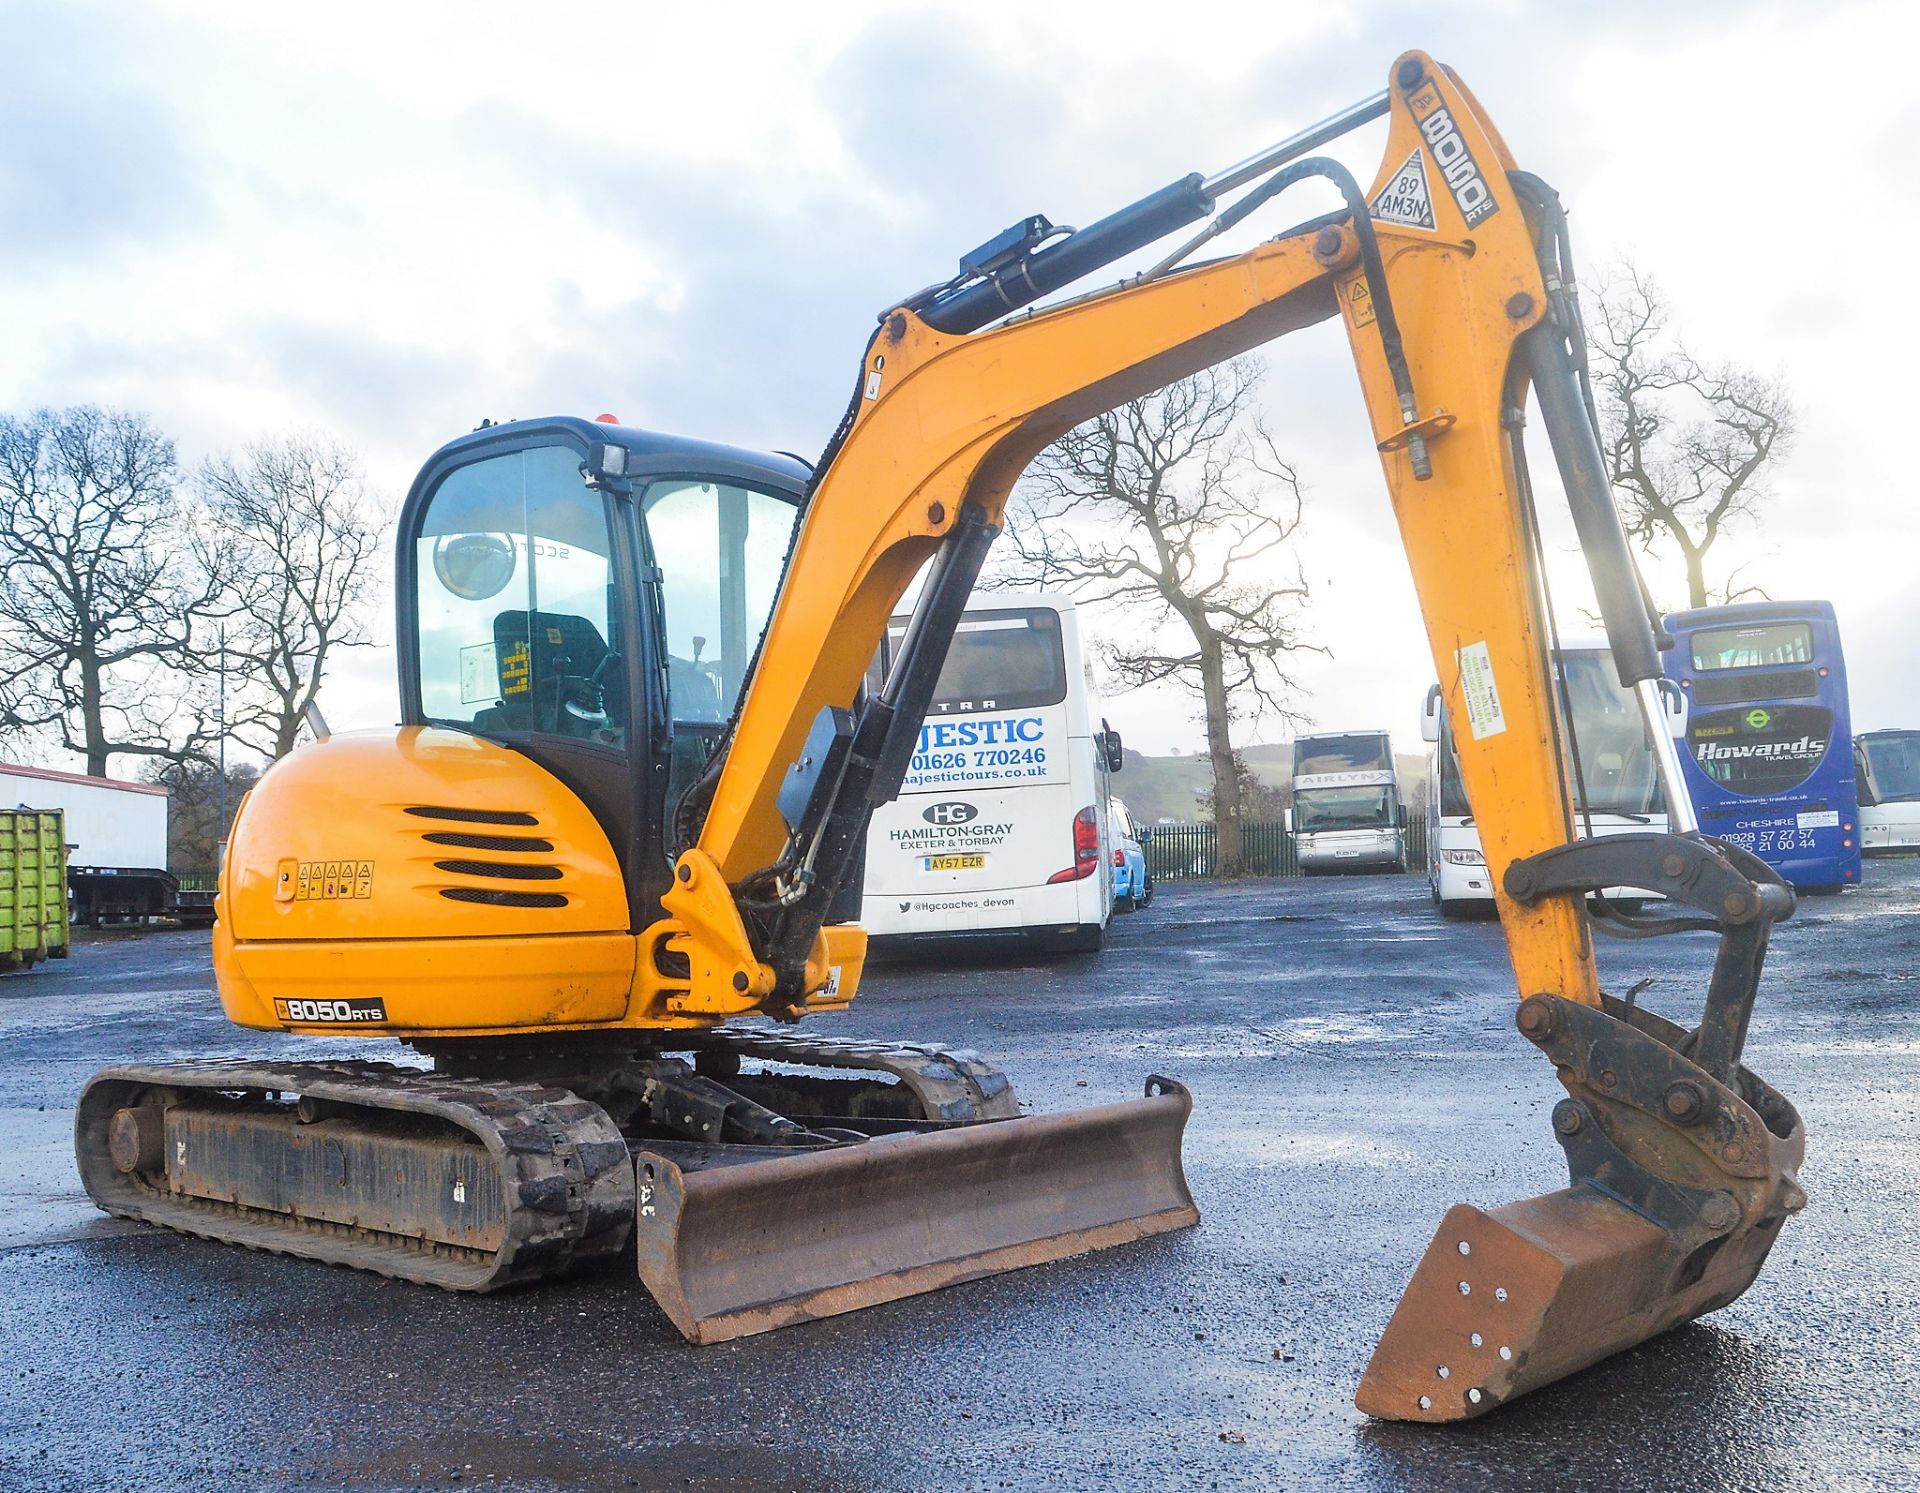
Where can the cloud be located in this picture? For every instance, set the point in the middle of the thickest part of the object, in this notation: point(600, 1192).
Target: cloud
point(754, 333)
point(775, 268)
point(351, 376)
point(437, 214)
point(221, 389)
point(1815, 312)
point(948, 123)
point(83, 176)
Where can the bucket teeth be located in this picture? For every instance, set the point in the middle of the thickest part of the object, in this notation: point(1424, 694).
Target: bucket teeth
point(1506, 1301)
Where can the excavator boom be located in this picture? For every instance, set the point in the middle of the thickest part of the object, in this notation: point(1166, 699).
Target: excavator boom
point(1452, 278)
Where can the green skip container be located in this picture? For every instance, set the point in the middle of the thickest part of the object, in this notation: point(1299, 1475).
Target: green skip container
point(33, 887)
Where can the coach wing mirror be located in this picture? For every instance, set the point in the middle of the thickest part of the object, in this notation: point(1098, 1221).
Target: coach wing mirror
point(1430, 716)
point(1675, 700)
point(1110, 744)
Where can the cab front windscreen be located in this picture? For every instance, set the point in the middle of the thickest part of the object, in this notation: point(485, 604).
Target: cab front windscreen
point(516, 629)
point(1317, 809)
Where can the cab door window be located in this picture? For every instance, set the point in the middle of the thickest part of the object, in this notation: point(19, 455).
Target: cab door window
point(721, 549)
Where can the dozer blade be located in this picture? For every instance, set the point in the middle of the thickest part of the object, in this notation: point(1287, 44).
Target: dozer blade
point(1681, 1184)
point(730, 1250)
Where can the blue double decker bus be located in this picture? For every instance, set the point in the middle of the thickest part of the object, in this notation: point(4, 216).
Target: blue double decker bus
point(1769, 758)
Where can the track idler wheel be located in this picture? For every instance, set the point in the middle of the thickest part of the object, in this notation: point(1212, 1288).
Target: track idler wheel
point(135, 1137)
point(1679, 1185)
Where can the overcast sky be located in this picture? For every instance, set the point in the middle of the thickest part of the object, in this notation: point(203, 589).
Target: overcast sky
point(389, 221)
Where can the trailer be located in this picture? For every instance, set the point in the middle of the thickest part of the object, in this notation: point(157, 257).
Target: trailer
point(116, 839)
point(33, 890)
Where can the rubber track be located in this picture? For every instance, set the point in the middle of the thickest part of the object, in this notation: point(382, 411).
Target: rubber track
point(953, 1085)
point(566, 1174)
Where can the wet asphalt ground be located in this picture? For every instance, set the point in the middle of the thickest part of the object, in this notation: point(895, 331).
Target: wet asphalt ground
point(1355, 1071)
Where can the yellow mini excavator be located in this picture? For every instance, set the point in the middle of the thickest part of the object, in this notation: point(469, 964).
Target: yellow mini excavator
point(626, 807)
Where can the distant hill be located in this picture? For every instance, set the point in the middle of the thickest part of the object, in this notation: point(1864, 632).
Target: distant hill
point(1159, 788)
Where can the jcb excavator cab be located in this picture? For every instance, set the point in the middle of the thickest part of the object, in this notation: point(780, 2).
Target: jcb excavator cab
point(591, 596)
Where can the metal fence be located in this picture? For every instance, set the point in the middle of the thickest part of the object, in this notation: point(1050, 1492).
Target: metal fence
point(1187, 852)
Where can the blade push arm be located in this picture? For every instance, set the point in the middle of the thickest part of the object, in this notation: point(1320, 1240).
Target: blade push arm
point(946, 422)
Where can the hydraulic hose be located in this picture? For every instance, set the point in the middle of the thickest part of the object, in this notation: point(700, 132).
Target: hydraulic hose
point(1027, 279)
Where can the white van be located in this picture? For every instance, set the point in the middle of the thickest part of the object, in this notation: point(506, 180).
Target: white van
point(1001, 827)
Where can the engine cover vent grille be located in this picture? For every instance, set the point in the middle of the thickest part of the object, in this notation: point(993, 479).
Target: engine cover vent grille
point(500, 869)
point(473, 816)
point(486, 842)
point(490, 897)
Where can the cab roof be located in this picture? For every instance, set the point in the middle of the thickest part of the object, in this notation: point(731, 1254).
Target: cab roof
point(652, 453)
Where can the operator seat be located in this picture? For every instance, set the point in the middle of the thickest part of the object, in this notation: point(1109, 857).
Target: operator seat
point(533, 652)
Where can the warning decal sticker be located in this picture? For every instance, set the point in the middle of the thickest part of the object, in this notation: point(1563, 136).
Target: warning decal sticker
point(1482, 695)
point(1405, 199)
point(516, 670)
point(1360, 303)
point(333, 881)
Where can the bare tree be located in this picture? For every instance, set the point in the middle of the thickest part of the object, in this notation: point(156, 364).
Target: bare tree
point(1261, 802)
point(294, 513)
point(100, 590)
point(1176, 507)
point(198, 813)
point(1689, 444)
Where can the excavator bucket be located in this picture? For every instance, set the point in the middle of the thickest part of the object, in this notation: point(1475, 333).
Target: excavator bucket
point(1680, 1185)
point(733, 1249)
point(1506, 1301)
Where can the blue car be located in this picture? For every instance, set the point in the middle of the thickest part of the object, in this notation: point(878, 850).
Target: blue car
point(1132, 885)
